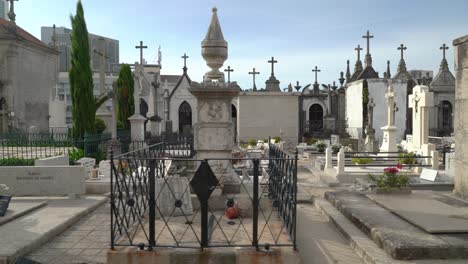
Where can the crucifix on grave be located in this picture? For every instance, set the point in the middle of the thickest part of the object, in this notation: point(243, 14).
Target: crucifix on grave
point(368, 36)
point(444, 48)
point(358, 51)
point(316, 85)
point(229, 70)
point(185, 57)
point(420, 101)
point(141, 47)
point(316, 70)
point(253, 73)
point(272, 61)
point(389, 131)
point(402, 49)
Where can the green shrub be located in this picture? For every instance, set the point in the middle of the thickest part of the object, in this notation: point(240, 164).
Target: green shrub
point(406, 158)
point(252, 142)
point(244, 145)
point(311, 141)
point(277, 139)
point(16, 162)
point(74, 155)
point(99, 125)
point(390, 179)
point(361, 161)
point(336, 148)
point(321, 146)
point(400, 148)
point(265, 140)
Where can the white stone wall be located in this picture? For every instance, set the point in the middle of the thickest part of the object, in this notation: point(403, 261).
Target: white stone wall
point(264, 114)
point(354, 108)
point(180, 95)
point(377, 89)
point(30, 73)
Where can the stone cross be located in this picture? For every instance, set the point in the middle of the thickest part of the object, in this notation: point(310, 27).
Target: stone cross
point(141, 47)
point(272, 61)
point(370, 113)
point(253, 74)
point(11, 14)
point(315, 71)
point(368, 37)
point(419, 101)
point(402, 48)
point(185, 57)
point(390, 95)
point(229, 70)
point(444, 48)
point(358, 49)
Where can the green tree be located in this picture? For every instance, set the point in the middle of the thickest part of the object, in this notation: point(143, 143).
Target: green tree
point(125, 101)
point(81, 77)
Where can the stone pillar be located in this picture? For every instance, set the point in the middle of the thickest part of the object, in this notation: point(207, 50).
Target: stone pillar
point(341, 161)
point(328, 158)
point(137, 121)
point(461, 116)
point(435, 160)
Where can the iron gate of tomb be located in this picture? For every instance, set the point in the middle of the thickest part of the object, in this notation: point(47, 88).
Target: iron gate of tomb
point(160, 201)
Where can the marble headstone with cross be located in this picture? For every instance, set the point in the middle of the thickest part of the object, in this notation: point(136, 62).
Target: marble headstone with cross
point(389, 131)
point(420, 101)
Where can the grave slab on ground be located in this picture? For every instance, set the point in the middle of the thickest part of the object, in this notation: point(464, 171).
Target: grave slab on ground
point(399, 238)
point(24, 234)
point(19, 208)
point(426, 211)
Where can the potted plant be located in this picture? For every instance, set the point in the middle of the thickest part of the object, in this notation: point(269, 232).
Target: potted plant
point(391, 181)
point(362, 161)
point(321, 146)
point(335, 148)
point(311, 141)
point(276, 139)
point(4, 199)
point(406, 158)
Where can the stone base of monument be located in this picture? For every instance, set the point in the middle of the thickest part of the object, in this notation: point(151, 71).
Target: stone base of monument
point(418, 226)
point(389, 143)
point(211, 255)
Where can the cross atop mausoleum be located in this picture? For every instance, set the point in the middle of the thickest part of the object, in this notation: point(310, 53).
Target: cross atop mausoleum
point(141, 47)
point(316, 70)
point(229, 70)
point(253, 74)
point(272, 61)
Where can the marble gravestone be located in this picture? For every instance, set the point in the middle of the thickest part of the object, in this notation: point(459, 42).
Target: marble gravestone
point(173, 196)
point(88, 164)
point(105, 168)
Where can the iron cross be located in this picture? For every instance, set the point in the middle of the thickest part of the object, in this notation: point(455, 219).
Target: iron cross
point(316, 70)
point(402, 48)
point(272, 61)
point(368, 37)
point(141, 47)
point(229, 70)
point(254, 73)
point(444, 48)
point(185, 57)
point(358, 49)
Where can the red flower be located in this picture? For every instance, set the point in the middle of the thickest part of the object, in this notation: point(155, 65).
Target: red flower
point(399, 166)
point(391, 170)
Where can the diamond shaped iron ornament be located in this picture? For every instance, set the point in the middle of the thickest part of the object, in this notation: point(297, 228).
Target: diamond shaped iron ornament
point(204, 181)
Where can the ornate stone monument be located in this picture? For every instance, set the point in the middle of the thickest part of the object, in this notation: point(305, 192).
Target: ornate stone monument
point(389, 131)
point(214, 130)
point(137, 121)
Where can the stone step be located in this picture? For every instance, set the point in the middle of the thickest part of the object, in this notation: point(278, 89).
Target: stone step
point(26, 233)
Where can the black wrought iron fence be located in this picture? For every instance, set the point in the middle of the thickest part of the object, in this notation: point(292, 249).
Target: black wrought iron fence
point(162, 201)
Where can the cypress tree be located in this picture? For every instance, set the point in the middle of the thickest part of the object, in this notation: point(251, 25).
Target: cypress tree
point(81, 77)
point(125, 103)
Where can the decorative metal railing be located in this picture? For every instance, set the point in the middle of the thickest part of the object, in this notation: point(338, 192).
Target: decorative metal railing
point(162, 201)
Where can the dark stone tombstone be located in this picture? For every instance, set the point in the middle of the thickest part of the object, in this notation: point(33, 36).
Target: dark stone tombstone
point(4, 202)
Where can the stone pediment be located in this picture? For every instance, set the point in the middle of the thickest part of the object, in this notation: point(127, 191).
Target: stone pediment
point(444, 80)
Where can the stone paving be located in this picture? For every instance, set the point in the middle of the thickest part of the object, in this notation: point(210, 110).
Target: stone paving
point(85, 242)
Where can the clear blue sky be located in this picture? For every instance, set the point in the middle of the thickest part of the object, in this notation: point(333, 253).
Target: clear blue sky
point(300, 34)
